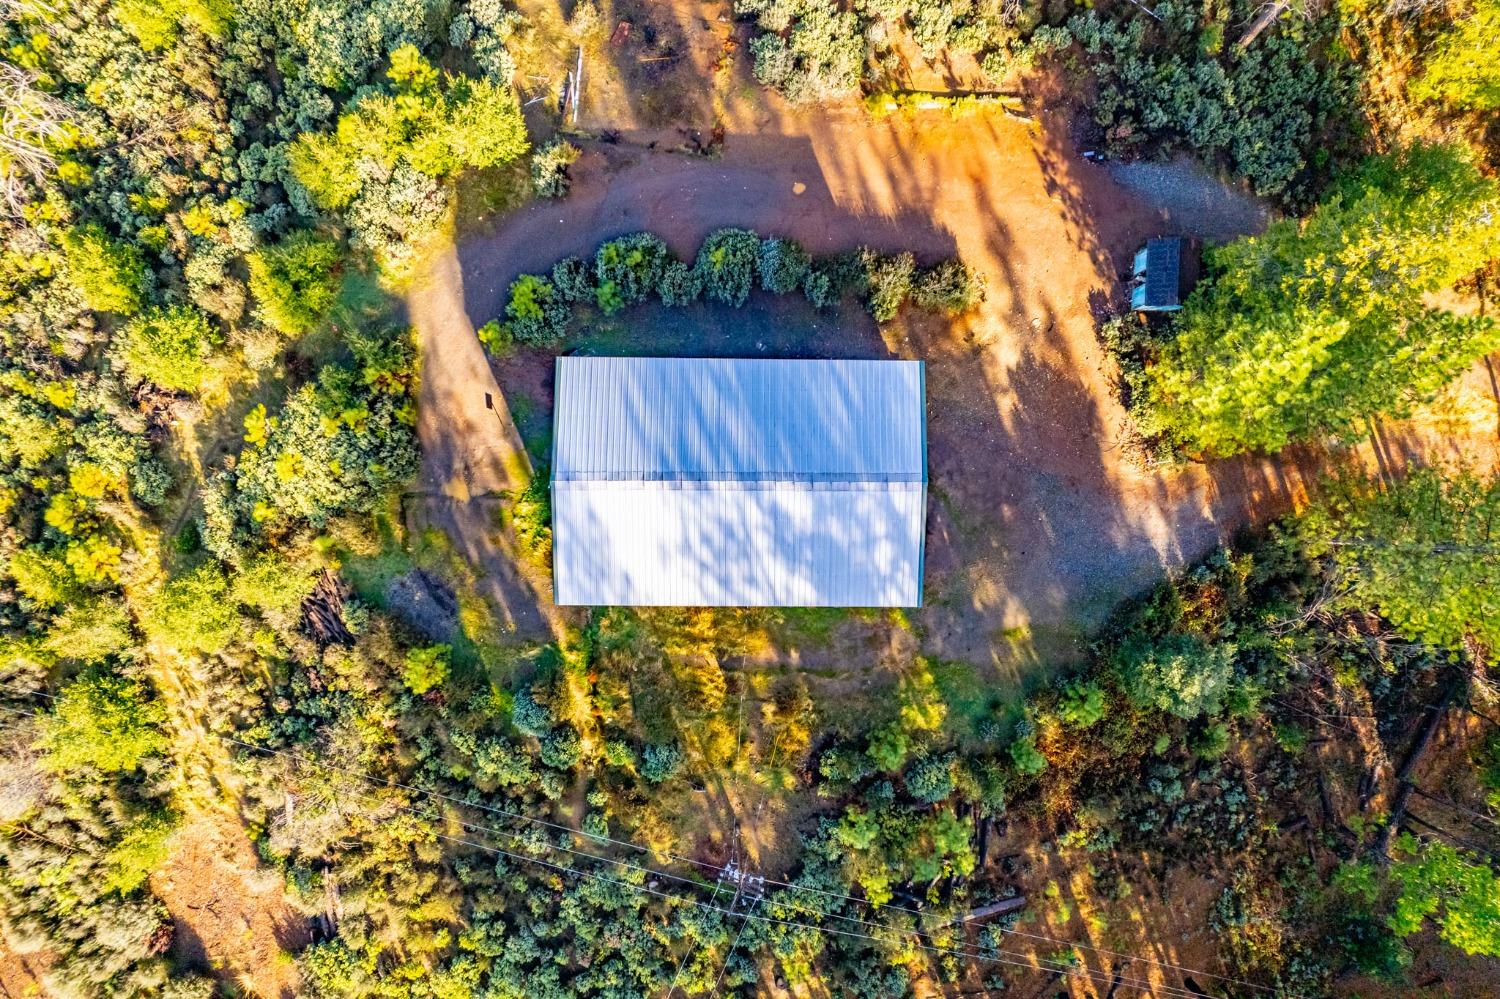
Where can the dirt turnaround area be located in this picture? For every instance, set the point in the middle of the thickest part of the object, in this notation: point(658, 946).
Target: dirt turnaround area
point(1041, 520)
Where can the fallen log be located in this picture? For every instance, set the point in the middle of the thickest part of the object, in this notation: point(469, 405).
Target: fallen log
point(1268, 14)
point(1000, 908)
point(1404, 783)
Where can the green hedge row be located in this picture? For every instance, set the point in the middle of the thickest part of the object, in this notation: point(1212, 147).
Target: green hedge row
point(729, 265)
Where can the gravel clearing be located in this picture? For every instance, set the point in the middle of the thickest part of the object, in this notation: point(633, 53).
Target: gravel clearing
point(1191, 201)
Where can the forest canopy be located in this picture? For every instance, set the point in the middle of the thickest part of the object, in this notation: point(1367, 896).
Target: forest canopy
point(213, 535)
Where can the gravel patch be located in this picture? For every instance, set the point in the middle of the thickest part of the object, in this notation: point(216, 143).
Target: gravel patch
point(1192, 201)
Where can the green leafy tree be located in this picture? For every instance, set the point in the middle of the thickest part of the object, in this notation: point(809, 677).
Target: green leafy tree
point(338, 444)
point(168, 346)
point(1457, 890)
point(110, 273)
point(1314, 326)
point(426, 668)
point(139, 852)
point(920, 711)
point(102, 722)
point(194, 612)
point(1420, 550)
point(1461, 70)
point(296, 281)
point(1183, 675)
point(438, 125)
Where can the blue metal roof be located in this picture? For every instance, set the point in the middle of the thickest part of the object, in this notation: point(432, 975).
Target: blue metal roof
point(708, 482)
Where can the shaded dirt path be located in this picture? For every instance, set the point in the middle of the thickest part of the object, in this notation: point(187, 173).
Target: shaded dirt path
point(1040, 522)
point(471, 454)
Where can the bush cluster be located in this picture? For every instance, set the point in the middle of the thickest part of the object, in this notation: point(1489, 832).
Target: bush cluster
point(728, 266)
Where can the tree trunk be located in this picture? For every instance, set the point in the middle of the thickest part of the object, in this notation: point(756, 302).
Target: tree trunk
point(1267, 15)
point(1404, 783)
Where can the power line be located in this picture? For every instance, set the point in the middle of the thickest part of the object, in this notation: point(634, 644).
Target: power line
point(719, 978)
point(647, 870)
point(745, 916)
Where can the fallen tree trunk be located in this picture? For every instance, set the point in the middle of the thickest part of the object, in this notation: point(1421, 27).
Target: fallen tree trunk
point(1000, 908)
point(1404, 783)
point(1267, 16)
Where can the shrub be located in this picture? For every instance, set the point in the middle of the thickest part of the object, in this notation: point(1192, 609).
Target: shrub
point(425, 668)
point(930, 779)
point(888, 282)
point(607, 296)
point(819, 288)
point(1261, 112)
point(496, 337)
point(821, 57)
point(633, 264)
point(783, 265)
point(726, 265)
point(1213, 741)
point(661, 763)
point(573, 279)
point(529, 716)
point(168, 347)
point(1182, 675)
point(110, 273)
point(549, 168)
point(531, 518)
point(1082, 704)
point(680, 284)
point(950, 288)
point(296, 281)
point(1026, 757)
point(538, 315)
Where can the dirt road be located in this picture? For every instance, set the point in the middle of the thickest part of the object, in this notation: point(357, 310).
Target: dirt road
point(1040, 522)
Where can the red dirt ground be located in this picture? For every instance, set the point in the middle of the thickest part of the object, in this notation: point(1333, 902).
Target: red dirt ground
point(1041, 521)
point(231, 917)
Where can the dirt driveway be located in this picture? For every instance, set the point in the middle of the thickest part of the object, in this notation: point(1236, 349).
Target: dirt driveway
point(1040, 521)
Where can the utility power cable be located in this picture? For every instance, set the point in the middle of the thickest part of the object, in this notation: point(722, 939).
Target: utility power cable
point(388, 783)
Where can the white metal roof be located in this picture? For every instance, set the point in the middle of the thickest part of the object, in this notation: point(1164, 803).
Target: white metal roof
point(706, 482)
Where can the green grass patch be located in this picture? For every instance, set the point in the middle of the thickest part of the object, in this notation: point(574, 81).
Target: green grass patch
point(969, 698)
point(483, 195)
point(534, 424)
point(812, 625)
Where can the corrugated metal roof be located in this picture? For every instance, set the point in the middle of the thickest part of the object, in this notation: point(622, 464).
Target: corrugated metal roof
point(1163, 273)
point(708, 482)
